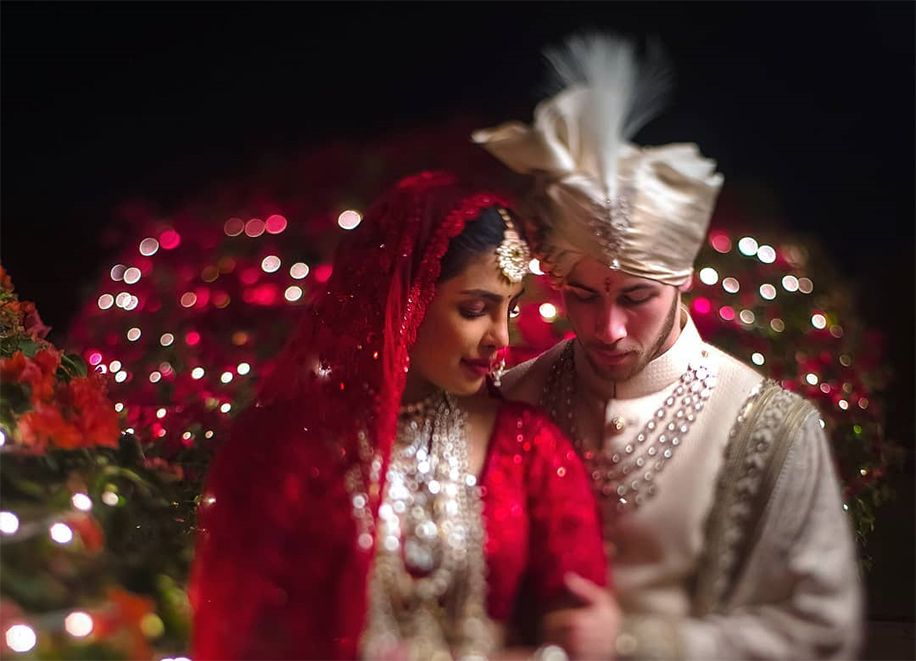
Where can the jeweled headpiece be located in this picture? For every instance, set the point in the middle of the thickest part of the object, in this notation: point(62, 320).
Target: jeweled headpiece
point(512, 254)
point(642, 210)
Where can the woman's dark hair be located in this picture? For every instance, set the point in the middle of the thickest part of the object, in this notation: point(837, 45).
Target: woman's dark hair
point(482, 235)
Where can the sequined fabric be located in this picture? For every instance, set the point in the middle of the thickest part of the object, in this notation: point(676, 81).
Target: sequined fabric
point(541, 518)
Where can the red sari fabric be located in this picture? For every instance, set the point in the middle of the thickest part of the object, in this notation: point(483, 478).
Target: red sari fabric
point(539, 514)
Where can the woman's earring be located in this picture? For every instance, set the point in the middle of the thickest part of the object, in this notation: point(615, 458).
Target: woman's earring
point(497, 370)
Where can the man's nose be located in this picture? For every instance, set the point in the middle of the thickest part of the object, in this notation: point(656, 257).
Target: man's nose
point(611, 324)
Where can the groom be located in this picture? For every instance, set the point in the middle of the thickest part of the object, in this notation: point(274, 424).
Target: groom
point(723, 518)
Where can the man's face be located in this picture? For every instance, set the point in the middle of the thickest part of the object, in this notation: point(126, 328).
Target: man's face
point(621, 320)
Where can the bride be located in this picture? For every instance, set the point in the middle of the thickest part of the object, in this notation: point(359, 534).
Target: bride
point(377, 501)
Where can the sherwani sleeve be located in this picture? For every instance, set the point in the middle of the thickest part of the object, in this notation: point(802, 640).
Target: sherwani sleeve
point(799, 595)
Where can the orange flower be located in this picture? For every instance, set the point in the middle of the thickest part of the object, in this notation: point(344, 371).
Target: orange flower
point(38, 373)
point(11, 368)
point(95, 415)
point(46, 425)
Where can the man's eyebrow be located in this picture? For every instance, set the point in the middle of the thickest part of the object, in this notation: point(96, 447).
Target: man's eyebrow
point(579, 285)
point(637, 287)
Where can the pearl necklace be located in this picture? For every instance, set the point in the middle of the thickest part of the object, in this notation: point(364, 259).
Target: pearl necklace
point(428, 587)
point(628, 478)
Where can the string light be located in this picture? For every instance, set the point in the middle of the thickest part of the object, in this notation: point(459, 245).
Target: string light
point(9, 523)
point(292, 293)
point(757, 358)
point(747, 317)
point(234, 227)
point(149, 246)
point(21, 638)
point(61, 533)
point(790, 283)
point(132, 275)
point(349, 219)
point(270, 264)
point(548, 311)
point(709, 276)
point(766, 254)
point(243, 368)
point(535, 267)
point(81, 502)
point(117, 272)
point(78, 624)
point(747, 246)
point(720, 242)
point(299, 270)
point(275, 224)
point(254, 228)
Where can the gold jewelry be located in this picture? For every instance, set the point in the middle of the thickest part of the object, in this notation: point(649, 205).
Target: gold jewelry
point(497, 372)
point(512, 254)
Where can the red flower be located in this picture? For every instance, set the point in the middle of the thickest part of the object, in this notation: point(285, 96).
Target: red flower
point(45, 426)
point(38, 373)
point(31, 321)
point(77, 414)
point(95, 415)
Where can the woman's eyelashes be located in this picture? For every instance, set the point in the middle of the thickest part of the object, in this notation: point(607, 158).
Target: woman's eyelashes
point(472, 312)
point(483, 308)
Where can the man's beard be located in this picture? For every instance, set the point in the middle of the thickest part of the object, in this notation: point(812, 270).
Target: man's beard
point(642, 358)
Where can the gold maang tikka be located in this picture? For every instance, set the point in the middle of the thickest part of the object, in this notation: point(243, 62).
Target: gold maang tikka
point(512, 254)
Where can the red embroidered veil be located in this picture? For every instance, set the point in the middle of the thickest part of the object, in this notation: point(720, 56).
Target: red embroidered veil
point(278, 573)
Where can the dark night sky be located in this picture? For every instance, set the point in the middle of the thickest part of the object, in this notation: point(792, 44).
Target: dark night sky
point(812, 102)
point(102, 101)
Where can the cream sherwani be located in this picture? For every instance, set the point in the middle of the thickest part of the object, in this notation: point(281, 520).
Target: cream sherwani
point(744, 550)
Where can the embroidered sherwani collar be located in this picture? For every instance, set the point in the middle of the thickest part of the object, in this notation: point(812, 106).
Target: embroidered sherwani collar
point(656, 376)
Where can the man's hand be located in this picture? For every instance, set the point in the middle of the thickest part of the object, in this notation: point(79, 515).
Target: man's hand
point(587, 632)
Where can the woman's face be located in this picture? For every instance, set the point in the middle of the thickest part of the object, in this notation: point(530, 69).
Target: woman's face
point(465, 326)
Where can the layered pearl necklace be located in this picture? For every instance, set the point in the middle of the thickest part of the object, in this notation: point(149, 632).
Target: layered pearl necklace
point(428, 586)
point(627, 476)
